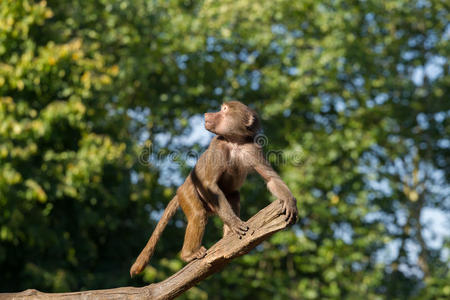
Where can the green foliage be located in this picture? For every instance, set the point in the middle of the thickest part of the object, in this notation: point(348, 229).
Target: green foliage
point(352, 93)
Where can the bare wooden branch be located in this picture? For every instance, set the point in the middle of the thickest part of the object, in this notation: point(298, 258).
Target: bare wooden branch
point(262, 225)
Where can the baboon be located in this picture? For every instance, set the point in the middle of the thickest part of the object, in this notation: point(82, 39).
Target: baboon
point(213, 185)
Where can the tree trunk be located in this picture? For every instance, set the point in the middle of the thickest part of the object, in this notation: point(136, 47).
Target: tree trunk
point(262, 225)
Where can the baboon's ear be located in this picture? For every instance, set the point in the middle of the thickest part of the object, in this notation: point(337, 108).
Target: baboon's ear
point(250, 119)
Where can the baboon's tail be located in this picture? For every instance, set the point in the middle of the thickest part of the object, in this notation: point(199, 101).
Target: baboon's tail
point(147, 252)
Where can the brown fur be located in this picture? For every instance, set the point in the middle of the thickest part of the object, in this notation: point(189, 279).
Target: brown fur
point(213, 185)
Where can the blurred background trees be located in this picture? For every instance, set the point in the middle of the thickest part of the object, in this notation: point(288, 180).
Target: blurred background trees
point(353, 93)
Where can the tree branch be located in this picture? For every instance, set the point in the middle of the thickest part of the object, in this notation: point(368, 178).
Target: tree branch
point(262, 225)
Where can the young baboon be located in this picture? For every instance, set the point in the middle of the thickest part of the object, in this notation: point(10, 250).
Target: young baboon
point(213, 185)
